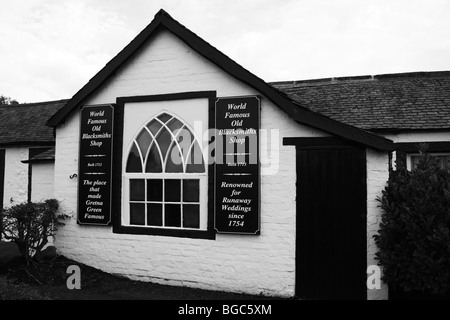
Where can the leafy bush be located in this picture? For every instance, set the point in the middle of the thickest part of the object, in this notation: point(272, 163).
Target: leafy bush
point(30, 225)
point(414, 236)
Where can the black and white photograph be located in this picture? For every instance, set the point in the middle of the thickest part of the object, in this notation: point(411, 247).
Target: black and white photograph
point(229, 158)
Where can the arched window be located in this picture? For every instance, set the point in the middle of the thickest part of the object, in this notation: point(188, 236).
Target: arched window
point(165, 174)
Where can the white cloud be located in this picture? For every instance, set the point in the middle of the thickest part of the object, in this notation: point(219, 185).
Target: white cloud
point(54, 48)
point(50, 48)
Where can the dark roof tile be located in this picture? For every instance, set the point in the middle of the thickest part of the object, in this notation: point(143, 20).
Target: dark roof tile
point(406, 101)
point(26, 123)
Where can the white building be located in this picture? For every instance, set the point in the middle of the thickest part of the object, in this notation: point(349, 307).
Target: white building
point(24, 135)
point(298, 223)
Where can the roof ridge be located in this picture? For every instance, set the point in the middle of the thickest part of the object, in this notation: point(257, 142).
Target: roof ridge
point(423, 74)
point(162, 12)
point(31, 104)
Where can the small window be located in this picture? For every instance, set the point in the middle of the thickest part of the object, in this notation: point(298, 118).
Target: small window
point(443, 160)
point(164, 175)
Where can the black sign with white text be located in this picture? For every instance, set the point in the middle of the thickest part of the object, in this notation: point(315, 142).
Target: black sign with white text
point(237, 165)
point(94, 182)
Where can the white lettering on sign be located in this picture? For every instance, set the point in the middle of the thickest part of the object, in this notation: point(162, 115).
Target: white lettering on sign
point(96, 144)
point(237, 140)
point(105, 135)
point(237, 115)
point(97, 113)
point(93, 216)
point(237, 185)
point(244, 201)
point(241, 106)
point(94, 203)
point(102, 121)
point(233, 131)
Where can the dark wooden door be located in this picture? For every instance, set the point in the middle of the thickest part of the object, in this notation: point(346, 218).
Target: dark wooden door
point(331, 224)
point(2, 186)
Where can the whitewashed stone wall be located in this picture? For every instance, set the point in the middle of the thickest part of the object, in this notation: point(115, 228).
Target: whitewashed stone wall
point(377, 176)
point(16, 176)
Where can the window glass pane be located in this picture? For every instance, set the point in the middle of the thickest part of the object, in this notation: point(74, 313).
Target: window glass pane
point(191, 190)
point(137, 190)
point(153, 160)
point(173, 215)
point(134, 160)
point(195, 160)
point(164, 117)
point(164, 139)
point(191, 216)
point(154, 214)
point(174, 162)
point(172, 190)
point(174, 125)
point(137, 213)
point(443, 161)
point(154, 126)
point(154, 189)
point(144, 139)
point(413, 162)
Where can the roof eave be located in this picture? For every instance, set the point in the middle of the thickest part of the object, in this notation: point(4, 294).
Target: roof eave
point(307, 117)
point(38, 160)
point(27, 143)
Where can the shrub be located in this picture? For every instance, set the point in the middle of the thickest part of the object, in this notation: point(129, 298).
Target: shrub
point(30, 225)
point(414, 237)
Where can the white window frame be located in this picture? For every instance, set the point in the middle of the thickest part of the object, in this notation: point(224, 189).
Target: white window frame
point(409, 155)
point(202, 177)
point(165, 176)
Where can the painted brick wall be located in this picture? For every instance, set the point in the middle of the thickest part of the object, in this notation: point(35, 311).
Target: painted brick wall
point(377, 176)
point(16, 176)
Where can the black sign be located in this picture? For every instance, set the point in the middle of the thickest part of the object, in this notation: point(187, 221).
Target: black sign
point(94, 182)
point(237, 165)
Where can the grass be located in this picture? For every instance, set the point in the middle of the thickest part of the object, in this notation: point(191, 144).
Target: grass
point(47, 281)
point(11, 291)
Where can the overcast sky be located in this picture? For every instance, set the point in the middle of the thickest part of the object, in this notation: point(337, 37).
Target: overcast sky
point(50, 48)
